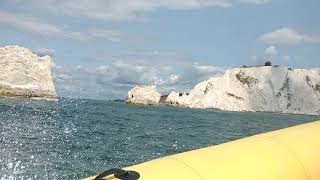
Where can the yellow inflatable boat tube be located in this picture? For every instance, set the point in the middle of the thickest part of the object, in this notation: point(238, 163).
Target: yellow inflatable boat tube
point(287, 154)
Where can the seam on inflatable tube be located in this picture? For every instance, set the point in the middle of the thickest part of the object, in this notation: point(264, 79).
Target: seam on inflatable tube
point(193, 170)
point(294, 155)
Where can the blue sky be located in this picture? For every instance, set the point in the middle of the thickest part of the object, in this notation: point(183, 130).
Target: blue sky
point(102, 48)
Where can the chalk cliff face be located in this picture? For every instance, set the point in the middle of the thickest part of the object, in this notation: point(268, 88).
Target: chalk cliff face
point(269, 89)
point(24, 74)
point(177, 99)
point(143, 95)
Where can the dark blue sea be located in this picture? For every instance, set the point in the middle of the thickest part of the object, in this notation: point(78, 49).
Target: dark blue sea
point(74, 138)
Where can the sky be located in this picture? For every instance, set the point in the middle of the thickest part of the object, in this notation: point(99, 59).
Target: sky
point(103, 48)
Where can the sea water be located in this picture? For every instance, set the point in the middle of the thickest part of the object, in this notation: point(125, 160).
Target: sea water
point(74, 138)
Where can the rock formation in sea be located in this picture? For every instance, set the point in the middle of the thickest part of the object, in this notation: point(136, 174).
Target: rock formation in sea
point(24, 74)
point(148, 95)
point(267, 88)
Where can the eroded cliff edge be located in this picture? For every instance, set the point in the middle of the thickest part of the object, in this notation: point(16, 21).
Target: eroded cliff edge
point(266, 89)
point(24, 74)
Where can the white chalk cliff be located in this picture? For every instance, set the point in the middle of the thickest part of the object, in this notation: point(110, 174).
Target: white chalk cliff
point(143, 95)
point(24, 74)
point(268, 89)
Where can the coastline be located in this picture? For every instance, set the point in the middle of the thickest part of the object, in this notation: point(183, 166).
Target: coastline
point(251, 89)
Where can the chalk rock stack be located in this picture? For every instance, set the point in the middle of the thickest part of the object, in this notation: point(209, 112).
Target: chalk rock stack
point(24, 74)
point(147, 95)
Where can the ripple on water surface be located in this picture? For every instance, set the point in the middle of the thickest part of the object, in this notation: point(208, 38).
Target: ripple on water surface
point(70, 139)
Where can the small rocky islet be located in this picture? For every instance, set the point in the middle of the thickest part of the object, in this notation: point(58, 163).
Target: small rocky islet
point(257, 89)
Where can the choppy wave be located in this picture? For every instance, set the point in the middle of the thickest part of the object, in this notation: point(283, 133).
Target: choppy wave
point(70, 139)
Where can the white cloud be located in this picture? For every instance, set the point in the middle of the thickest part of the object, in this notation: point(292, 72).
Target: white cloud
point(105, 34)
point(35, 26)
point(44, 52)
point(286, 60)
point(29, 24)
point(116, 10)
point(270, 53)
point(114, 77)
point(287, 36)
point(255, 1)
